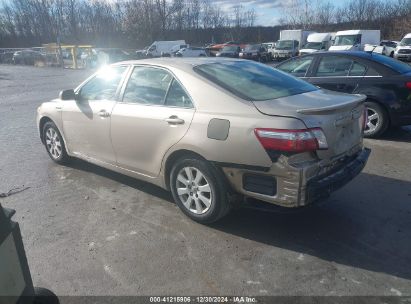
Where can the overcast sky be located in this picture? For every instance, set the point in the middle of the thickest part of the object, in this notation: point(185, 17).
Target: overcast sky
point(268, 11)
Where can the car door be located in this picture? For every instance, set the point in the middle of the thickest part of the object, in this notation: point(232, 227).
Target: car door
point(338, 73)
point(86, 120)
point(298, 67)
point(154, 114)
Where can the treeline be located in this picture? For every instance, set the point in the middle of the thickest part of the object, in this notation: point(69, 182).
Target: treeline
point(392, 17)
point(130, 23)
point(136, 23)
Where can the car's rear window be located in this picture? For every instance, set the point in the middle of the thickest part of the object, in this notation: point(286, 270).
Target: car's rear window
point(394, 64)
point(253, 81)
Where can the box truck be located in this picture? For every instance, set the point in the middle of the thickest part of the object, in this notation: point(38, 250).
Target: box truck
point(290, 43)
point(355, 40)
point(317, 42)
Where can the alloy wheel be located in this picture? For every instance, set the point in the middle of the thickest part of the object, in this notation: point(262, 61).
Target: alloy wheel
point(373, 120)
point(53, 143)
point(194, 190)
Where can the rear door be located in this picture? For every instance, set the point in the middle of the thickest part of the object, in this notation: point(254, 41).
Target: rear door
point(338, 73)
point(154, 114)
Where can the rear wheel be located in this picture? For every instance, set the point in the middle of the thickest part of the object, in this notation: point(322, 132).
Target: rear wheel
point(53, 141)
point(198, 189)
point(377, 121)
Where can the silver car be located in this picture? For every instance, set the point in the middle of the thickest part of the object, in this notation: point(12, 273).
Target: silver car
point(206, 129)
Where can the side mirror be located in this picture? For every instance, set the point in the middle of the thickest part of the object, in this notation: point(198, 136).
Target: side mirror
point(67, 95)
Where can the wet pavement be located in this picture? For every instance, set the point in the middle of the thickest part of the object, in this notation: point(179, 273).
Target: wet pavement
point(88, 231)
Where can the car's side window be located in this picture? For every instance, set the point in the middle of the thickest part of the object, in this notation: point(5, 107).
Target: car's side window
point(357, 69)
point(103, 86)
point(372, 72)
point(177, 97)
point(334, 66)
point(147, 85)
point(297, 67)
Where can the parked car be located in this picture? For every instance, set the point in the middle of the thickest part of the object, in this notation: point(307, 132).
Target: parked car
point(231, 51)
point(213, 49)
point(270, 136)
point(6, 57)
point(191, 52)
point(270, 47)
point(403, 50)
point(28, 57)
point(385, 81)
point(254, 52)
point(389, 47)
point(385, 47)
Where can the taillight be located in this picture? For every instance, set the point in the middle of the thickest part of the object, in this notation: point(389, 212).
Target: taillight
point(408, 85)
point(292, 140)
point(364, 119)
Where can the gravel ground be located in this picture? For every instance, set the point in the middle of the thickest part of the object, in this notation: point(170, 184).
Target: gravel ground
point(88, 231)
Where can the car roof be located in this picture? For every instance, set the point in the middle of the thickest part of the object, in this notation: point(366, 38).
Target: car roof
point(182, 63)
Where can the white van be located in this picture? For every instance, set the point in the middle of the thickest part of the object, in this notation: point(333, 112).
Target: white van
point(355, 40)
point(317, 42)
point(164, 48)
point(403, 50)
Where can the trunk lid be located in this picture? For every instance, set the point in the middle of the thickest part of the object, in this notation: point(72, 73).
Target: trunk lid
point(337, 114)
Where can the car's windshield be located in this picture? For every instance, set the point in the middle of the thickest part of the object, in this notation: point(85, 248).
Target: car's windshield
point(253, 81)
point(394, 64)
point(347, 39)
point(405, 42)
point(229, 48)
point(285, 45)
point(313, 45)
point(252, 47)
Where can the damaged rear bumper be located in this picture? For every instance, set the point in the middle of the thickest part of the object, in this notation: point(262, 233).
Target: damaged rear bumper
point(288, 186)
point(321, 187)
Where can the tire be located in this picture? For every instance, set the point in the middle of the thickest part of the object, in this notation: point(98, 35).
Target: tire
point(54, 143)
point(392, 55)
point(44, 296)
point(377, 120)
point(206, 206)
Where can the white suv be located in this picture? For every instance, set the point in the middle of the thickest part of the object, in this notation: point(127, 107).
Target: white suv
point(403, 50)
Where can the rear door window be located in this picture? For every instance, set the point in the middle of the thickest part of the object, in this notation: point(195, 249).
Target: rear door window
point(334, 66)
point(177, 97)
point(357, 69)
point(297, 67)
point(147, 85)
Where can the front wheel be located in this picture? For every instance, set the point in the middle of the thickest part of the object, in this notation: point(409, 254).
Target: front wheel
point(53, 141)
point(377, 120)
point(198, 189)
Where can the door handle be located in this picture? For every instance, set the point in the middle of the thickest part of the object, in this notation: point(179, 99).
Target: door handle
point(174, 120)
point(104, 113)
